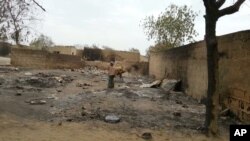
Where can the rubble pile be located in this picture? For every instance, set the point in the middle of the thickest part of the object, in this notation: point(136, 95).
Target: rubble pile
point(90, 70)
point(81, 95)
point(44, 80)
point(4, 69)
point(165, 84)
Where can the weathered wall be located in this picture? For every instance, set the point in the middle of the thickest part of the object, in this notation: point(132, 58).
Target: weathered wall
point(68, 50)
point(43, 59)
point(105, 65)
point(140, 68)
point(234, 73)
point(137, 68)
point(143, 59)
point(128, 56)
point(93, 54)
point(188, 63)
point(79, 52)
point(98, 64)
point(5, 49)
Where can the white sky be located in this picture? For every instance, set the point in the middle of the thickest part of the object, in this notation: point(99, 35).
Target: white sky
point(116, 23)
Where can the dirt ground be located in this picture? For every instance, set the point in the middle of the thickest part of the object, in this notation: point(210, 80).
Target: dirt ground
point(4, 61)
point(63, 105)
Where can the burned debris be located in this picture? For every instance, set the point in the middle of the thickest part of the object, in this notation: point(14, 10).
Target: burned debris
point(62, 94)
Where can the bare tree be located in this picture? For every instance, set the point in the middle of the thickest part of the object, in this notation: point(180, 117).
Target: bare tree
point(42, 42)
point(15, 17)
point(213, 13)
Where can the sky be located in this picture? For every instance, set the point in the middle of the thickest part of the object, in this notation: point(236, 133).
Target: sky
point(116, 23)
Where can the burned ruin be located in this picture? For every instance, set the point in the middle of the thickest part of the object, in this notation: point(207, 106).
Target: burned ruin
point(166, 93)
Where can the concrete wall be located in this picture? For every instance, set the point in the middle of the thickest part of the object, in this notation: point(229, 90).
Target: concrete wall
point(188, 63)
point(43, 59)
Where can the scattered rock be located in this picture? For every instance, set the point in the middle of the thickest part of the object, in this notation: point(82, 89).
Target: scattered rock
point(146, 136)
point(44, 82)
point(140, 80)
point(83, 113)
point(153, 99)
point(59, 79)
point(169, 84)
point(202, 129)
point(124, 87)
point(82, 84)
point(154, 84)
point(86, 84)
point(223, 117)
point(177, 114)
point(28, 73)
point(112, 118)
point(178, 102)
point(184, 106)
point(52, 97)
point(37, 102)
point(40, 74)
point(79, 85)
point(39, 89)
point(18, 94)
point(59, 123)
point(69, 120)
point(2, 81)
point(20, 87)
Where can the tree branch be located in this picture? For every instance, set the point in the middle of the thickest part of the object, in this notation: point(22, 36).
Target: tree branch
point(231, 9)
point(39, 5)
point(219, 3)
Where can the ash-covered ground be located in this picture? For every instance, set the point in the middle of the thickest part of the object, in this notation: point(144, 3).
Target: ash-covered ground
point(80, 96)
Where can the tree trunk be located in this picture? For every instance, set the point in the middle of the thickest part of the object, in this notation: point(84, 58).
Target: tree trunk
point(212, 64)
point(17, 38)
